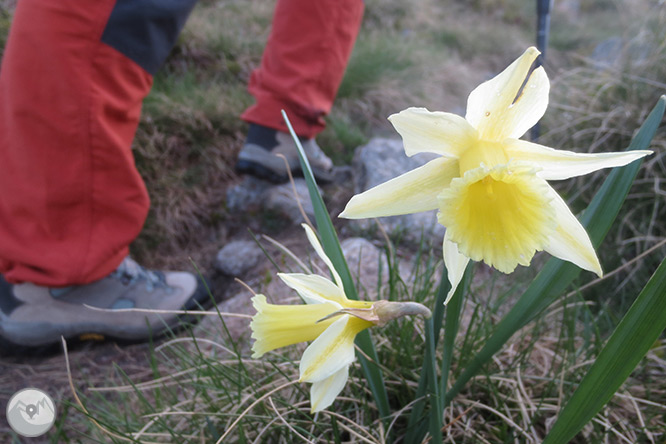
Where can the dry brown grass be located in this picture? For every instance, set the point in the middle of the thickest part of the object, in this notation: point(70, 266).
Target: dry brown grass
point(596, 109)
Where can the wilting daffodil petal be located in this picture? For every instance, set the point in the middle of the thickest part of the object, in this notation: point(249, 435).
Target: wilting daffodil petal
point(497, 207)
point(329, 319)
point(412, 192)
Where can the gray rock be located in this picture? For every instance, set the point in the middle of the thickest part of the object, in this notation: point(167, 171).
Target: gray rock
point(342, 174)
point(365, 263)
point(618, 53)
point(608, 53)
point(381, 160)
point(237, 257)
point(253, 195)
point(283, 200)
point(248, 195)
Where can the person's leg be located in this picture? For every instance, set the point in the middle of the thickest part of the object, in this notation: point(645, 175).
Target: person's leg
point(301, 69)
point(72, 80)
point(303, 63)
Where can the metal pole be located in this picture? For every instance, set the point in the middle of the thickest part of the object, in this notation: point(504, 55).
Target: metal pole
point(543, 29)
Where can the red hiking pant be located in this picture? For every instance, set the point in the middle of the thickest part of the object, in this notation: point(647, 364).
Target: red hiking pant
point(73, 76)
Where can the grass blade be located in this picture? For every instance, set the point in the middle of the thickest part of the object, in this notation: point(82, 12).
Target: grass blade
point(435, 414)
point(628, 344)
point(417, 426)
point(451, 327)
point(331, 245)
point(556, 275)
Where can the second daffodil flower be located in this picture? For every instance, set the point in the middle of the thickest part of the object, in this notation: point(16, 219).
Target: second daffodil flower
point(329, 319)
point(489, 186)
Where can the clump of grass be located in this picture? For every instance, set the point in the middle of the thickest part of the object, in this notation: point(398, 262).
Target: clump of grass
point(595, 109)
point(207, 390)
point(602, 21)
point(373, 60)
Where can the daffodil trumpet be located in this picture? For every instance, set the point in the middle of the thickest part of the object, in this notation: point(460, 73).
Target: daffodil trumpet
point(491, 188)
point(329, 319)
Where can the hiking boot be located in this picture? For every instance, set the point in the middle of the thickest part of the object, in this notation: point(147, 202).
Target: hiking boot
point(32, 316)
point(260, 156)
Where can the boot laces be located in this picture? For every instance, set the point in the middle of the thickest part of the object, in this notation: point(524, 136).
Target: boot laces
point(130, 272)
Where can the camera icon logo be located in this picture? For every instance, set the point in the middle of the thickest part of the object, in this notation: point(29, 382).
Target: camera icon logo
point(31, 412)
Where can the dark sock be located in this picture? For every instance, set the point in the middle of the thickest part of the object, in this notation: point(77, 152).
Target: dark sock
point(261, 135)
point(264, 136)
point(7, 300)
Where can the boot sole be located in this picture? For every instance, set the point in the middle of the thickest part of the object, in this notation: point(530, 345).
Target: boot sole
point(201, 299)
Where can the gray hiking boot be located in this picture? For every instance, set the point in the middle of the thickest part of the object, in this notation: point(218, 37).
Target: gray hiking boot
point(33, 316)
point(260, 156)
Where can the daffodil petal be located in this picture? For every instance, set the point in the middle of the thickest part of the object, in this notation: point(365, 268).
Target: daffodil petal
point(436, 132)
point(455, 265)
point(529, 107)
point(570, 241)
point(314, 241)
point(488, 104)
point(561, 164)
point(332, 350)
point(323, 393)
point(412, 192)
point(275, 326)
point(314, 289)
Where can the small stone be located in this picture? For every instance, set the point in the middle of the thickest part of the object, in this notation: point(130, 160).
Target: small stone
point(248, 195)
point(282, 200)
point(619, 53)
point(238, 257)
point(608, 53)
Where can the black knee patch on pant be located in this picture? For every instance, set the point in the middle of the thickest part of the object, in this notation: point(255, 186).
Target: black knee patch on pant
point(146, 30)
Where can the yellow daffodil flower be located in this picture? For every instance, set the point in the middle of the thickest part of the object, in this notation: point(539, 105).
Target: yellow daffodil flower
point(328, 319)
point(489, 186)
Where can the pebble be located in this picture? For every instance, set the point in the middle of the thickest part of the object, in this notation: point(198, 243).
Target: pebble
point(238, 257)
